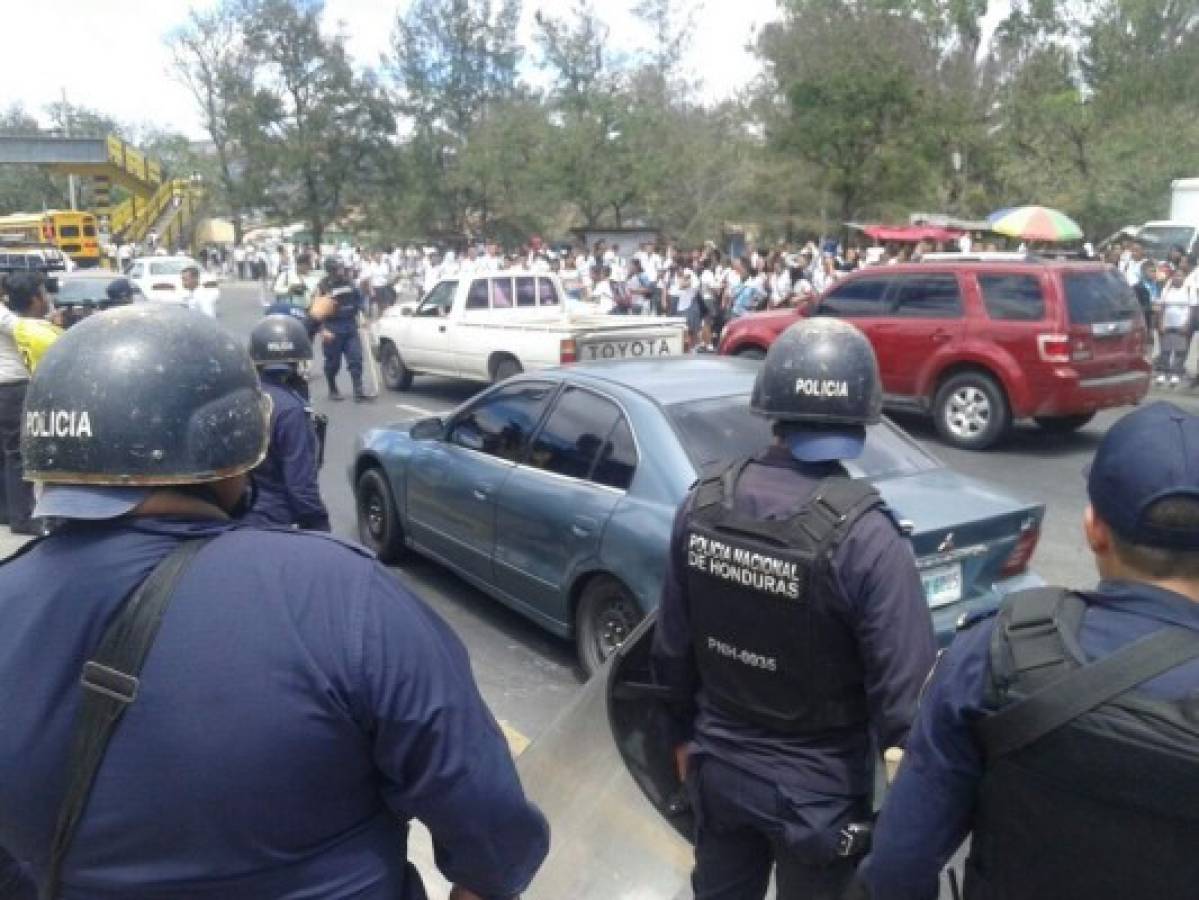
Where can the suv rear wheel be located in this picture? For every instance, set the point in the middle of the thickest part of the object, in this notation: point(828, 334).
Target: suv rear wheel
point(971, 411)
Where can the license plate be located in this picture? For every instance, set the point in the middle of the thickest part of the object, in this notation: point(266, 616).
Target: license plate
point(942, 585)
point(627, 348)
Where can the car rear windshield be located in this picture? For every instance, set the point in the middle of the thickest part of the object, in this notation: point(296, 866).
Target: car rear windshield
point(77, 290)
point(1094, 297)
point(723, 428)
point(170, 266)
point(1161, 238)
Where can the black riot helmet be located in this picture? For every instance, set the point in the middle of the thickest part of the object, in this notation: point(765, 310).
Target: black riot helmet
point(280, 339)
point(820, 384)
point(144, 395)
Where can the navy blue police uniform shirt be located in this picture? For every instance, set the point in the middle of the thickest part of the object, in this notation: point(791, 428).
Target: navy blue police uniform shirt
point(286, 481)
point(882, 601)
point(929, 809)
point(344, 319)
point(298, 707)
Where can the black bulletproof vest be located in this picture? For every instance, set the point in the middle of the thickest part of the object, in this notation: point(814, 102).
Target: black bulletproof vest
point(769, 643)
point(1091, 790)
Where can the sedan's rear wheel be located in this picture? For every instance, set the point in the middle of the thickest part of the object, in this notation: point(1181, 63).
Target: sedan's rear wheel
point(606, 616)
point(971, 411)
point(378, 524)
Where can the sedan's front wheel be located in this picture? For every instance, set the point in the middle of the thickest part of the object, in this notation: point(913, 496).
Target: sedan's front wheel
point(378, 525)
point(606, 616)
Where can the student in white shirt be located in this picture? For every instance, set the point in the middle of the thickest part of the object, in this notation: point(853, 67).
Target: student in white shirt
point(1176, 323)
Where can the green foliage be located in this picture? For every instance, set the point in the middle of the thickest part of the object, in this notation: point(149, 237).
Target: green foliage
point(316, 128)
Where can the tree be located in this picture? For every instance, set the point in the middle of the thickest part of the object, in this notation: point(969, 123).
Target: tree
point(452, 61)
point(209, 57)
point(595, 117)
point(27, 188)
point(849, 91)
point(314, 130)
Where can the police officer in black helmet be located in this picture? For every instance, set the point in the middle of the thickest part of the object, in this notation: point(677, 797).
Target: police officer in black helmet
point(286, 491)
point(792, 630)
point(297, 706)
point(1062, 732)
point(339, 328)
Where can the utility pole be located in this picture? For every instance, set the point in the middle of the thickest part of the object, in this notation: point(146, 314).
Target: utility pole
point(66, 118)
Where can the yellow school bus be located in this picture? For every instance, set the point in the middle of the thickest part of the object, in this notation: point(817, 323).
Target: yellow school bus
point(74, 233)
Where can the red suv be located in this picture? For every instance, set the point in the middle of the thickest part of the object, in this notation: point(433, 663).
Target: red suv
point(978, 342)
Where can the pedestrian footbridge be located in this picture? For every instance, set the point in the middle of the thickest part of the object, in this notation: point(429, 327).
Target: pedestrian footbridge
point(166, 206)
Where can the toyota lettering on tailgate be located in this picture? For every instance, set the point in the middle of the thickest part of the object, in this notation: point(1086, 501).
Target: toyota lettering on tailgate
point(627, 349)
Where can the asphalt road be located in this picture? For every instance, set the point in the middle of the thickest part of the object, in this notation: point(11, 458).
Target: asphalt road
point(527, 676)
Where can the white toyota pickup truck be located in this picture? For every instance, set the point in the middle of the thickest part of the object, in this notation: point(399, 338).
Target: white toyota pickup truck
point(490, 326)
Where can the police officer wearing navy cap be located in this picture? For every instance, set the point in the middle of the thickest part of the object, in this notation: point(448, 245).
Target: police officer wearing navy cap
point(1063, 731)
point(286, 491)
point(793, 630)
point(296, 707)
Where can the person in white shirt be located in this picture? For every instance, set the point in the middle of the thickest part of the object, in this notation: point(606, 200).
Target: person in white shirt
point(780, 282)
point(1191, 282)
point(684, 293)
point(1176, 323)
point(195, 297)
point(379, 275)
point(600, 293)
point(1130, 265)
point(431, 274)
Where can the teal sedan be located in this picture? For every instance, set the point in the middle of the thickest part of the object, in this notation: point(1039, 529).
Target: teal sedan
point(554, 492)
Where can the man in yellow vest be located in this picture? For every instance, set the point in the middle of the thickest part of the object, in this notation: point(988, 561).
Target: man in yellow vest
point(25, 335)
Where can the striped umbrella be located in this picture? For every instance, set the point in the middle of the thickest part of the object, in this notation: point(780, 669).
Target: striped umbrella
point(1035, 223)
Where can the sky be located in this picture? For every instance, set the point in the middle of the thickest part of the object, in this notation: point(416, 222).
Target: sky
point(123, 67)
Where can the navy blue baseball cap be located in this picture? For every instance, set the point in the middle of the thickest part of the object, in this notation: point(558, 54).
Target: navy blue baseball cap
point(1149, 455)
point(815, 445)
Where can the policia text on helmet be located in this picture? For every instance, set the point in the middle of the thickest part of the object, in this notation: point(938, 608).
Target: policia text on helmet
point(780, 566)
point(143, 407)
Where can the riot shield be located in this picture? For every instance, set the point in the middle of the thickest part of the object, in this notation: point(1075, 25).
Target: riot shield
point(608, 842)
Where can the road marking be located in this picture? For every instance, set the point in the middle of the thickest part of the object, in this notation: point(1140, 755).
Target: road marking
point(416, 409)
point(517, 742)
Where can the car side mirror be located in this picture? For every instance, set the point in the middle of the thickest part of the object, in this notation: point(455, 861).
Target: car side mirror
point(429, 429)
point(468, 435)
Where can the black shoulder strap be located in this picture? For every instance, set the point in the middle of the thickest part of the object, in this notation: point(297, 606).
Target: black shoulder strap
point(1027, 643)
point(110, 683)
point(836, 504)
point(719, 485)
point(1084, 689)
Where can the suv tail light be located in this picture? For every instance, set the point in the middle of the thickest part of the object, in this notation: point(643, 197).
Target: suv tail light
point(568, 351)
point(1054, 348)
point(1022, 553)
